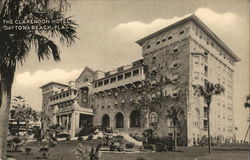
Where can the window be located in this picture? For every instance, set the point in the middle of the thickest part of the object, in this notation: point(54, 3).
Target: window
point(106, 81)
point(175, 78)
point(135, 72)
point(169, 37)
point(154, 59)
point(158, 42)
point(95, 85)
point(153, 96)
point(113, 79)
point(127, 75)
point(163, 40)
point(100, 84)
point(181, 32)
point(148, 46)
point(153, 83)
point(175, 64)
point(175, 48)
point(206, 70)
point(196, 59)
point(175, 93)
point(153, 119)
point(120, 77)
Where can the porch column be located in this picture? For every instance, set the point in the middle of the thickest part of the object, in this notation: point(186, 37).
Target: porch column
point(67, 124)
point(147, 121)
point(73, 125)
point(60, 119)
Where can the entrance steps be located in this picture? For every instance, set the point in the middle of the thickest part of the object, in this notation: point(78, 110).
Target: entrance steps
point(127, 137)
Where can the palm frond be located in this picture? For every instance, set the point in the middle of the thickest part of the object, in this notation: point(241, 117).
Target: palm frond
point(45, 47)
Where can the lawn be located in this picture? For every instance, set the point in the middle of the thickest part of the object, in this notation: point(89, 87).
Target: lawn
point(65, 149)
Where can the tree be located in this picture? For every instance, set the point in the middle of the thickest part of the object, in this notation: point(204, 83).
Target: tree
point(175, 113)
point(15, 45)
point(21, 112)
point(207, 92)
point(45, 121)
point(150, 135)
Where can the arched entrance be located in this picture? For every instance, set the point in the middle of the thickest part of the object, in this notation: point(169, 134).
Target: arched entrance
point(135, 118)
point(105, 121)
point(119, 119)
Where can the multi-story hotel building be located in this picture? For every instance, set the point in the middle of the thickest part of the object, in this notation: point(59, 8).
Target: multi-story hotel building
point(135, 97)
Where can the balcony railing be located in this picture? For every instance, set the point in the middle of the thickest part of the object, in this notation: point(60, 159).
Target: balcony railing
point(60, 100)
point(123, 82)
point(74, 107)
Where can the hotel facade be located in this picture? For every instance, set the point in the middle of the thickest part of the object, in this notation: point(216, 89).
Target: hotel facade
point(132, 98)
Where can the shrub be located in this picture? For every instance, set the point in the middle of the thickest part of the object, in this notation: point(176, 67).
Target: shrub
point(147, 146)
point(150, 135)
point(27, 150)
point(169, 143)
point(160, 146)
point(181, 142)
point(44, 152)
point(86, 131)
point(116, 147)
point(79, 138)
point(130, 145)
point(203, 141)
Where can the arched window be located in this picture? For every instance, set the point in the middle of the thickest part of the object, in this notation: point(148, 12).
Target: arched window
point(153, 119)
point(106, 121)
point(119, 120)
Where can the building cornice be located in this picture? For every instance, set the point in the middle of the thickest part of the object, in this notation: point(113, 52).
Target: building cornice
point(198, 22)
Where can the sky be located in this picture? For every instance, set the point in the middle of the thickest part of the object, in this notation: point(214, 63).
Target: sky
point(108, 29)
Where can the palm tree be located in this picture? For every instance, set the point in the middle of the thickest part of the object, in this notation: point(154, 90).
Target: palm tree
point(175, 113)
point(15, 45)
point(207, 92)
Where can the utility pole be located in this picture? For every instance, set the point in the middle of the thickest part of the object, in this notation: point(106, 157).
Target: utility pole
point(247, 105)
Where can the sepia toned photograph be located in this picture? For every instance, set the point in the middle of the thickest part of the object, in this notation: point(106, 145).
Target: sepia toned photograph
point(124, 80)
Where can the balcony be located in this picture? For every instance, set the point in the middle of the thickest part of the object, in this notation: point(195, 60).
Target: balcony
point(74, 107)
point(123, 82)
point(61, 100)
